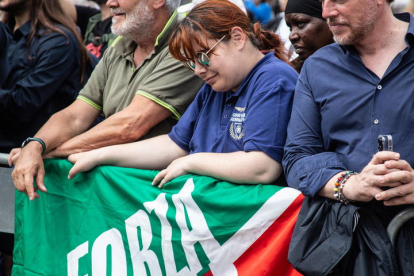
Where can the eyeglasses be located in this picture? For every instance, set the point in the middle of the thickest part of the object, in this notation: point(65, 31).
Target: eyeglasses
point(202, 57)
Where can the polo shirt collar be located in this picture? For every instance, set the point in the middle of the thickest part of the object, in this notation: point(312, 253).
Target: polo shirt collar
point(264, 59)
point(125, 46)
point(409, 37)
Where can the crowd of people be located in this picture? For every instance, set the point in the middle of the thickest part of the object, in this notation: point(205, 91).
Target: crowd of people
point(217, 93)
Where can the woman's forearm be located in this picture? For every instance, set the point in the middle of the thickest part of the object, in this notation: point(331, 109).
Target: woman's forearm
point(239, 167)
point(155, 154)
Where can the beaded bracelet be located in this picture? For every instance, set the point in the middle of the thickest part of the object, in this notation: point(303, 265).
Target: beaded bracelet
point(339, 185)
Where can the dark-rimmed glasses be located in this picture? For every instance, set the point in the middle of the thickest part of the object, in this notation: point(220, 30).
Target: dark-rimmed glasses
point(202, 57)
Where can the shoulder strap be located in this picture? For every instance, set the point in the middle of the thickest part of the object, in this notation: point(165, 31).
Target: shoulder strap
point(91, 24)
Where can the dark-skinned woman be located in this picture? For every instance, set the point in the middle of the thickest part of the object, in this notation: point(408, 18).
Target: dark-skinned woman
point(309, 30)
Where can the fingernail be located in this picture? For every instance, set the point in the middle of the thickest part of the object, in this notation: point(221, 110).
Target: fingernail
point(378, 196)
point(397, 155)
point(381, 179)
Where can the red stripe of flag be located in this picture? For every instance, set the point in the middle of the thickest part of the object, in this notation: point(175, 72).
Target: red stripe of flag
point(268, 255)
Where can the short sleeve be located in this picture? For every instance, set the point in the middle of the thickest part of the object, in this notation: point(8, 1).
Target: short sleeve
point(171, 85)
point(267, 117)
point(93, 91)
point(183, 131)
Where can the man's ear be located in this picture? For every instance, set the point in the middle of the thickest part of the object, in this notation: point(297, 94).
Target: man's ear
point(156, 4)
point(238, 37)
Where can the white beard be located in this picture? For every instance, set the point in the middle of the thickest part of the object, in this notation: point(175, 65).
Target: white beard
point(137, 22)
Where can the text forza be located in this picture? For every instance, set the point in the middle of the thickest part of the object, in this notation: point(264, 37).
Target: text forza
point(220, 256)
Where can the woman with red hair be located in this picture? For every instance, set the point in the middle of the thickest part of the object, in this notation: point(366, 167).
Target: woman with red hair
point(235, 129)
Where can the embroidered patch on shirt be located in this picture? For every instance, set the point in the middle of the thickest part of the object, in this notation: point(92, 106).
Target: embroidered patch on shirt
point(236, 127)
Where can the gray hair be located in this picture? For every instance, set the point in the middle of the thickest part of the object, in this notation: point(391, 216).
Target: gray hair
point(172, 5)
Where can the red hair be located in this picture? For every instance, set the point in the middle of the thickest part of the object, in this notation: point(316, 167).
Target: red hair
point(214, 19)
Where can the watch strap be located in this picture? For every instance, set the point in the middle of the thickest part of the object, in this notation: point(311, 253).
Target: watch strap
point(30, 139)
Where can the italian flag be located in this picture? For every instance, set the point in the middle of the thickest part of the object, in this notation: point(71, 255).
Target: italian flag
point(112, 221)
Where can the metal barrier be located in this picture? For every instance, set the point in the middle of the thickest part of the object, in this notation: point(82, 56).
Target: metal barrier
point(6, 197)
point(3, 159)
point(398, 221)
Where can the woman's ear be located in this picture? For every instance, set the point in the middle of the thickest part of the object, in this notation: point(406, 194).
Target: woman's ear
point(238, 37)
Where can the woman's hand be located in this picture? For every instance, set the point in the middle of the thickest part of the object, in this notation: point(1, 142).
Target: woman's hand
point(83, 161)
point(178, 167)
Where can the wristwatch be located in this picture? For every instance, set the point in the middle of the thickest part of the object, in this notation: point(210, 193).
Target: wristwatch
point(30, 139)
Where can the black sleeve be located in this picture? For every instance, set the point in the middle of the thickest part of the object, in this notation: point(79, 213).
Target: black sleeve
point(83, 14)
point(4, 43)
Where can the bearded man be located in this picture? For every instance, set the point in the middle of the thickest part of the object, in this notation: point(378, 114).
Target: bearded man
point(141, 90)
point(348, 94)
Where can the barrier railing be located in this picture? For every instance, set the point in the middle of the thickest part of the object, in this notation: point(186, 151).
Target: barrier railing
point(6, 196)
point(3, 159)
point(397, 222)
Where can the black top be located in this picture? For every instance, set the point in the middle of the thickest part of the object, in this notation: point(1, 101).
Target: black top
point(98, 36)
point(5, 38)
point(38, 85)
point(83, 14)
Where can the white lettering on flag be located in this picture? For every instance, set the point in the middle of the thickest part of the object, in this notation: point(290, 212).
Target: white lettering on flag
point(113, 238)
point(139, 257)
point(200, 232)
point(187, 241)
point(222, 257)
point(74, 256)
point(160, 205)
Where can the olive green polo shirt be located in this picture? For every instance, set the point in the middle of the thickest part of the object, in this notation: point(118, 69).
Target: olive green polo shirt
point(160, 78)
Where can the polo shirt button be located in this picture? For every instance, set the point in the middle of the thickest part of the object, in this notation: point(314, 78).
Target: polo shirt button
point(225, 116)
point(379, 87)
point(376, 121)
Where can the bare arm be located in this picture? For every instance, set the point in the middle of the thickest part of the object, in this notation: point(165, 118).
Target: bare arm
point(60, 127)
point(123, 127)
point(240, 167)
point(155, 153)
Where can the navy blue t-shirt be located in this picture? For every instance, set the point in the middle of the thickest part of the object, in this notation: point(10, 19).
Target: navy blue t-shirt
point(254, 118)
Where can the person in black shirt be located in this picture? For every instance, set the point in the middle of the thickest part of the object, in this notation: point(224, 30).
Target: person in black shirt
point(47, 66)
point(95, 27)
point(4, 43)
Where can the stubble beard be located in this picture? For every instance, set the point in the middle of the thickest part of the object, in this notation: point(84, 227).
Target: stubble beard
point(357, 30)
point(138, 22)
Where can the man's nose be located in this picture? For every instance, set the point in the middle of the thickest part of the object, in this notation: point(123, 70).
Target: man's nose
point(112, 3)
point(329, 9)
